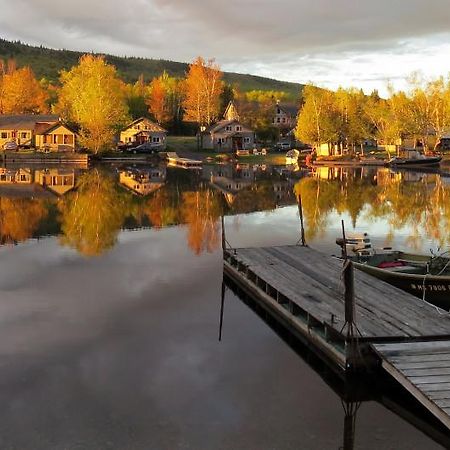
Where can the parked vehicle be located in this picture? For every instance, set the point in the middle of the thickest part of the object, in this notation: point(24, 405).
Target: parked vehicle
point(282, 146)
point(146, 147)
point(11, 146)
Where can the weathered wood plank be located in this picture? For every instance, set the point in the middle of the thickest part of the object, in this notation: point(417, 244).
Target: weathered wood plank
point(392, 313)
point(439, 395)
point(431, 379)
point(426, 371)
point(421, 364)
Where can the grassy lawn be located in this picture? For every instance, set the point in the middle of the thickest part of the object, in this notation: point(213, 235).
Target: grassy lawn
point(181, 143)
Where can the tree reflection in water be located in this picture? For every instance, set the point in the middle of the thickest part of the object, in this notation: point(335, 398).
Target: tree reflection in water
point(410, 200)
point(90, 217)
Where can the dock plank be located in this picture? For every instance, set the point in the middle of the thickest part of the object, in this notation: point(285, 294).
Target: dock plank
point(430, 386)
point(313, 281)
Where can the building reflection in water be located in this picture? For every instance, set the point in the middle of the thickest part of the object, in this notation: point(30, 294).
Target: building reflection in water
point(143, 181)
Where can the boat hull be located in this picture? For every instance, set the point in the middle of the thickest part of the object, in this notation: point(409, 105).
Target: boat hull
point(419, 162)
point(435, 287)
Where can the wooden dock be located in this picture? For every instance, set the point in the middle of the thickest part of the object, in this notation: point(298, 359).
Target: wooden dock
point(303, 290)
point(186, 163)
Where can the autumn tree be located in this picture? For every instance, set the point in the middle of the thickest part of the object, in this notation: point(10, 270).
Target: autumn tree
point(20, 92)
point(94, 97)
point(203, 88)
point(158, 101)
point(319, 119)
point(137, 96)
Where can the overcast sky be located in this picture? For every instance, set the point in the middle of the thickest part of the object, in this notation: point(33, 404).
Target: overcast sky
point(329, 42)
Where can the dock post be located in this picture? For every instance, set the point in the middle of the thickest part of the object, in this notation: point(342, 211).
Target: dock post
point(351, 341)
point(224, 241)
point(222, 305)
point(302, 227)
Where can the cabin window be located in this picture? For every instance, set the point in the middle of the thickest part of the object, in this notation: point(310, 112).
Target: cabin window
point(278, 111)
point(220, 140)
point(156, 139)
point(238, 128)
point(228, 128)
point(4, 135)
point(247, 140)
point(23, 135)
point(284, 119)
point(278, 120)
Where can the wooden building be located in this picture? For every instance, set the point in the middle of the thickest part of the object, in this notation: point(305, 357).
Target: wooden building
point(285, 116)
point(228, 136)
point(143, 130)
point(55, 138)
point(41, 131)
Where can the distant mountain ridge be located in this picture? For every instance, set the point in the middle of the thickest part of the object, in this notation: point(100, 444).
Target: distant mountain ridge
point(47, 63)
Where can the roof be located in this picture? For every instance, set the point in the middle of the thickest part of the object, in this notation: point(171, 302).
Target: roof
point(289, 108)
point(45, 128)
point(222, 124)
point(154, 126)
point(26, 121)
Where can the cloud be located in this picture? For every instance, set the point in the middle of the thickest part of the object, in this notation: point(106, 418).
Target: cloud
point(256, 36)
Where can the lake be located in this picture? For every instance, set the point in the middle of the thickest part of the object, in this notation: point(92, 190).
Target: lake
point(110, 296)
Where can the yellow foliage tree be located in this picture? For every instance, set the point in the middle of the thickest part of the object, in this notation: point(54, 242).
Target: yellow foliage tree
point(94, 97)
point(20, 92)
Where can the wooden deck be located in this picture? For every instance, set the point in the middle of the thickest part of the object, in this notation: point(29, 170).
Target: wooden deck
point(302, 289)
point(423, 368)
point(186, 163)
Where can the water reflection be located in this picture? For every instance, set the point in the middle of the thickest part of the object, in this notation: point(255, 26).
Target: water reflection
point(88, 208)
point(402, 199)
point(355, 392)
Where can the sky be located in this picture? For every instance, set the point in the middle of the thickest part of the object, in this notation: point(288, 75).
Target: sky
point(330, 43)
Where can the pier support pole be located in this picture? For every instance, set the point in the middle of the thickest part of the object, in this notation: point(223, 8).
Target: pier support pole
point(302, 227)
point(222, 305)
point(352, 350)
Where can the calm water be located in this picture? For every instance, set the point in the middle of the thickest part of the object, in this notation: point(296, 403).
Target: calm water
point(109, 306)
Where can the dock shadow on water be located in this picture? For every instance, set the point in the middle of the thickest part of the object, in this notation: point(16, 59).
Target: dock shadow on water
point(110, 285)
point(355, 390)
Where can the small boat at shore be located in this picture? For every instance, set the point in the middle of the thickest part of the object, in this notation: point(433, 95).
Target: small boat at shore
point(292, 156)
point(412, 158)
point(426, 277)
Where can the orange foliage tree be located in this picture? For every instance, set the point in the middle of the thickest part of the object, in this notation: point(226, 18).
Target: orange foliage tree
point(203, 88)
point(157, 101)
point(20, 92)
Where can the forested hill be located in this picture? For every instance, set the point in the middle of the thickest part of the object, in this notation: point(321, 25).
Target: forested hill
point(47, 63)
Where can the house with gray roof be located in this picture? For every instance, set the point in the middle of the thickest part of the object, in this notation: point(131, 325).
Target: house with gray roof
point(37, 130)
point(228, 136)
point(285, 116)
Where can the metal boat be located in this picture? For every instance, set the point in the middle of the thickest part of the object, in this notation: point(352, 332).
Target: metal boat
point(413, 158)
point(426, 277)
